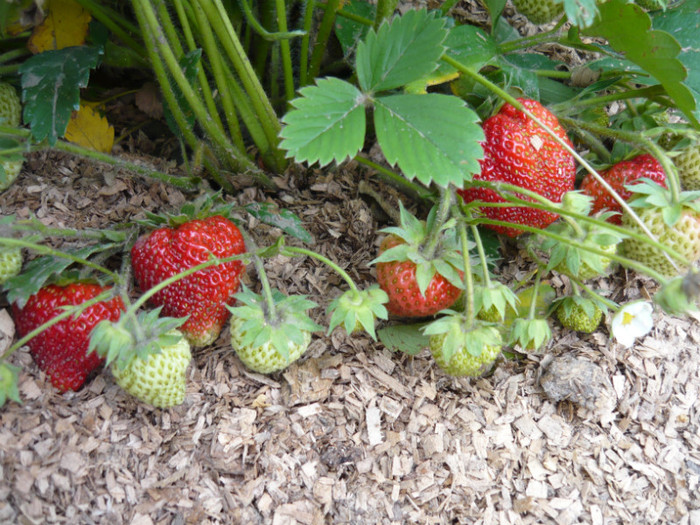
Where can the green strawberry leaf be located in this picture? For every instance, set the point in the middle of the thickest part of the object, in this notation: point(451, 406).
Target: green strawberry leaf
point(404, 338)
point(495, 8)
point(433, 137)
point(51, 83)
point(627, 28)
point(683, 22)
point(9, 380)
point(37, 272)
point(350, 32)
point(283, 219)
point(402, 51)
point(190, 66)
point(327, 123)
point(468, 45)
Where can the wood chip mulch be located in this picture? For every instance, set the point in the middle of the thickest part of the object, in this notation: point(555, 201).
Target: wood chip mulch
point(587, 432)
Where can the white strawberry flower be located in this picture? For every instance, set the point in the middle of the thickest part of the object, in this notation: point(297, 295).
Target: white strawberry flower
point(631, 321)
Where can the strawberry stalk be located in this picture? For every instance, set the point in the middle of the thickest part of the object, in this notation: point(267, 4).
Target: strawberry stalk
point(553, 207)
point(443, 213)
point(292, 251)
point(468, 277)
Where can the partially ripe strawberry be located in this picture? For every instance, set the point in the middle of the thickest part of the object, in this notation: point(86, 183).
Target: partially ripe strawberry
point(203, 295)
point(398, 280)
point(619, 175)
point(519, 152)
point(61, 350)
point(539, 11)
point(158, 378)
point(10, 262)
point(688, 165)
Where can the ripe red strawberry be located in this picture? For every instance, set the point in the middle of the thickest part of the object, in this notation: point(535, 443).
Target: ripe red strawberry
point(203, 295)
point(398, 280)
point(61, 350)
point(618, 176)
point(519, 152)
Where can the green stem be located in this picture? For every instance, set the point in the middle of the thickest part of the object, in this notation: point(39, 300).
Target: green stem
point(185, 183)
point(46, 250)
point(434, 235)
point(468, 277)
point(223, 79)
point(607, 302)
point(385, 10)
point(533, 40)
point(355, 18)
point(324, 32)
point(397, 181)
point(290, 251)
point(630, 263)
point(267, 290)
point(283, 33)
point(535, 291)
point(305, 43)
point(285, 51)
point(14, 54)
point(117, 24)
point(482, 254)
point(647, 92)
point(228, 37)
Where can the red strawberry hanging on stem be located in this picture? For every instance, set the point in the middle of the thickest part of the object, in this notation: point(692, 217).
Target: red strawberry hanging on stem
point(187, 241)
point(518, 151)
point(419, 265)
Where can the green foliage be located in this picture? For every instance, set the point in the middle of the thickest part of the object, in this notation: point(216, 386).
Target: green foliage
point(51, 83)
point(285, 220)
point(190, 65)
point(407, 338)
point(627, 29)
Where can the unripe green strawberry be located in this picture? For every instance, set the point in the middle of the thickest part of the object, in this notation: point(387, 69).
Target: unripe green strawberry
point(683, 236)
point(10, 262)
point(8, 173)
point(264, 358)
point(463, 363)
point(574, 316)
point(539, 11)
point(688, 165)
point(10, 106)
point(158, 379)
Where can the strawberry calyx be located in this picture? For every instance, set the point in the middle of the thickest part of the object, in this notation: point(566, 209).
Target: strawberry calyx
point(680, 295)
point(492, 302)
point(459, 332)
point(579, 313)
point(530, 334)
point(646, 193)
point(432, 247)
point(205, 206)
point(284, 320)
point(358, 309)
point(134, 337)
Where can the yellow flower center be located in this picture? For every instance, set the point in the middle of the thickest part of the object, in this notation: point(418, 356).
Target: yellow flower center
point(627, 318)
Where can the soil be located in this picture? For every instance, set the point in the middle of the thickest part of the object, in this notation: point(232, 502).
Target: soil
point(585, 432)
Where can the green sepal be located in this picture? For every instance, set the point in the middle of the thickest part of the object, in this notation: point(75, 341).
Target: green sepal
point(498, 296)
point(134, 337)
point(9, 381)
point(474, 338)
point(680, 294)
point(359, 308)
point(530, 334)
point(289, 323)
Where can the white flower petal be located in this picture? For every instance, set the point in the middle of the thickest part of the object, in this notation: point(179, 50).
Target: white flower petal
point(631, 321)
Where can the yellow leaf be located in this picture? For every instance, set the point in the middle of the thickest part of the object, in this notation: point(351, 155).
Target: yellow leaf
point(65, 25)
point(89, 129)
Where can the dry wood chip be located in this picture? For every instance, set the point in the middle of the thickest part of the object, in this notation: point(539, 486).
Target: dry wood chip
point(373, 419)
